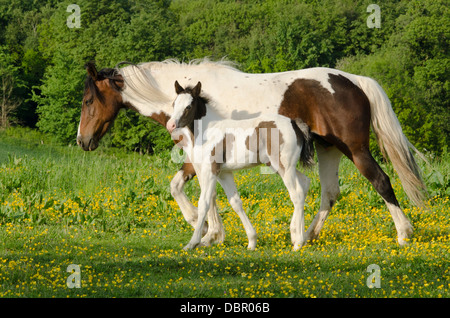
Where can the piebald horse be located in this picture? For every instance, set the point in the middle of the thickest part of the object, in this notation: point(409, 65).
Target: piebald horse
point(338, 107)
point(223, 145)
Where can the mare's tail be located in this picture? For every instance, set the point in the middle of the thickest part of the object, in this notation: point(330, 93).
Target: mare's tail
point(392, 141)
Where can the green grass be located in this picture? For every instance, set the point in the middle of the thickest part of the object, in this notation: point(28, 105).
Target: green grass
point(112, 213)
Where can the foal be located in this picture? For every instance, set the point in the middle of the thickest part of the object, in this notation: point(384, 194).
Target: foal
point(228, 145)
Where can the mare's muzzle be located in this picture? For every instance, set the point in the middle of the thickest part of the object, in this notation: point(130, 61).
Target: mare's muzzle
point(87, 143)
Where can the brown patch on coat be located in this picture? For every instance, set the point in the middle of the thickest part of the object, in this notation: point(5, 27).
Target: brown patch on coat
point(161, 118)
point(222, 154)
point(341, 119)
point(180, 138)
point(258, 140)
point(188, 171)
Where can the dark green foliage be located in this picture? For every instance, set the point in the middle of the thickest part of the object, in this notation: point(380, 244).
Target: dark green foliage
point(413, 67)
point(407, 55)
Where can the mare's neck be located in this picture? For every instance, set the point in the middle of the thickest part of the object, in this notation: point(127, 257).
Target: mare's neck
point(160, 117)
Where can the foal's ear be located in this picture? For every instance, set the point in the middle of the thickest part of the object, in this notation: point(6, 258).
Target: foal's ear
point(197, 89)
point(92, 71)
point(178, 88)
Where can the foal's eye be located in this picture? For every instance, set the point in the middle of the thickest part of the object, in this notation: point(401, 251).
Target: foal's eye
point(188, 107)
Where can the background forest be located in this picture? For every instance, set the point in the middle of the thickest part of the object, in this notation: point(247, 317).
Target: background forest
point(42, 58)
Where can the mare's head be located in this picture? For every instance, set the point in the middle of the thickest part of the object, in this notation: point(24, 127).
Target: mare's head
point(102, 101)
point(187, 107)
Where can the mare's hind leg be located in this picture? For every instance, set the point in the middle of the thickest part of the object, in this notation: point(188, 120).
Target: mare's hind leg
point(226, 180)
point(372, 171)
point(329, 159)
point(213, 228)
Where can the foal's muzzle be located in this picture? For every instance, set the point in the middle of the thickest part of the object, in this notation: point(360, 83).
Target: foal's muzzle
point(171, 125)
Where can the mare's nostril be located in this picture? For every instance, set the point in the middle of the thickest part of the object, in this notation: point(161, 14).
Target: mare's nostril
point(80, 142)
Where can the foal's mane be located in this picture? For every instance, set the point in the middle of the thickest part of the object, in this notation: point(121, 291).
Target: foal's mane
point(201, 110)
point(202, 97)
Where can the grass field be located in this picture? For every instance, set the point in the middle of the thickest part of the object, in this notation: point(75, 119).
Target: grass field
point(112, 214)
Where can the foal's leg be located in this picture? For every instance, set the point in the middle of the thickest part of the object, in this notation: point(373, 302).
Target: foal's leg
point(329, 159)
point(215, 233)
point(208, 186)
point(214, 227)
point(297, 185)
point(229, 186)
point(188, 210)
point(371, 170)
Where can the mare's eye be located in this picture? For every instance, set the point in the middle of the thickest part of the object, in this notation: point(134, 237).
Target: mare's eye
point(188, 107)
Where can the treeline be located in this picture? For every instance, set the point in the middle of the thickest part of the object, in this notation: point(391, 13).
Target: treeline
point(42, 55)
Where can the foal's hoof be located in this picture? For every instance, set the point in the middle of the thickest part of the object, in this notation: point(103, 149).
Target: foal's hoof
point(251, 246)
point(188, 247)
point(207, 240)
point(192, 246)
point(298, 246)
point(403, 241)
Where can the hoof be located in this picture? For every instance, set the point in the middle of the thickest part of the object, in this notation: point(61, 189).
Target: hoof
point(298, 246)
point(191, 246)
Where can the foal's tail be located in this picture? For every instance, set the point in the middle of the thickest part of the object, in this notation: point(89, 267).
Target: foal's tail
point(392, 141)
point(303, 133)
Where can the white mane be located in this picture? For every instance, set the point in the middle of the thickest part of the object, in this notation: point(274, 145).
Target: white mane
point(223, 63)
point(144, 92)
point(141, 88)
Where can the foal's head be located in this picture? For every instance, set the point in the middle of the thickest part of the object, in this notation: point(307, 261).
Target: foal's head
point(187, 107)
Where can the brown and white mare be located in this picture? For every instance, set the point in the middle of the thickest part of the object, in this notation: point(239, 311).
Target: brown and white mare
point(338, 107)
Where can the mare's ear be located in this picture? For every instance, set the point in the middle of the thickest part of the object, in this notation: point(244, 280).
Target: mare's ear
point(178, 88)
point(197, 89)
point(92, 71)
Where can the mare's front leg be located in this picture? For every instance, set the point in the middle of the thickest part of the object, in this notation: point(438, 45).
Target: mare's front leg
point(214, 228)
point(208, 187)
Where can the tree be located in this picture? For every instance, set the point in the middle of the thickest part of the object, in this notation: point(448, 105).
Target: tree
point(59, 99)
point(8, 104)
point(110, 32)
point(413, 67)
point(408, 55)
point(9, 81)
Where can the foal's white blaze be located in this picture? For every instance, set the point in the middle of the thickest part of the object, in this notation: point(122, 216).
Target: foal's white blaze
point(179, 105)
